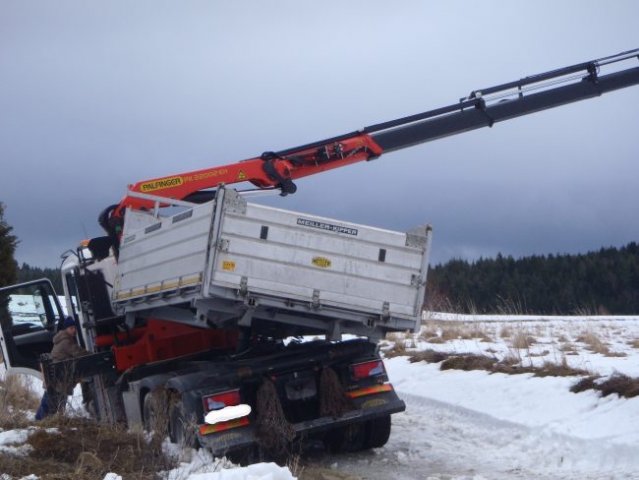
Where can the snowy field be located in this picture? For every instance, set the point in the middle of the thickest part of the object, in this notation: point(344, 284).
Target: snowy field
point(475, 425)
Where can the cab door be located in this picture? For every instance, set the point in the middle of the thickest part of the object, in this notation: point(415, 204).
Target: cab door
point(29, 315)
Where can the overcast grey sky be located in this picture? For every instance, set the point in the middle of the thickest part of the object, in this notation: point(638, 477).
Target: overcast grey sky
point(97, 95)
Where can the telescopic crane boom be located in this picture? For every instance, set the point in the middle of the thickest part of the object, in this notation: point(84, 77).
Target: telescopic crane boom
point(481, 108)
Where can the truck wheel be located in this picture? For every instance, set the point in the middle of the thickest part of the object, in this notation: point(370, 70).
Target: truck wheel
point(182, 427)
point(377, 432)
point(346, 439)
point(154, 413)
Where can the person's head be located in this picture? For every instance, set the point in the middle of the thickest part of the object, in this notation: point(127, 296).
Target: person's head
point(70, 325)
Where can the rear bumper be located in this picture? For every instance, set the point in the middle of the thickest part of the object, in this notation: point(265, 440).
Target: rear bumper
point(367, 408)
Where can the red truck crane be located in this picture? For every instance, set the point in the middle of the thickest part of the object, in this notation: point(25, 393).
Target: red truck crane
point(209, 305)
point(481, 108)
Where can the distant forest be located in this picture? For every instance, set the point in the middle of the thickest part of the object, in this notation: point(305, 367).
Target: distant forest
point(601, 282)
point(27, 272)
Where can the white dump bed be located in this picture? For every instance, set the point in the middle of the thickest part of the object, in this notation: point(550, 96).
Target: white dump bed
point(234, 261)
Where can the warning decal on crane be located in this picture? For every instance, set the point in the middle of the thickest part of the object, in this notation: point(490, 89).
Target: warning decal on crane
point(241, 175)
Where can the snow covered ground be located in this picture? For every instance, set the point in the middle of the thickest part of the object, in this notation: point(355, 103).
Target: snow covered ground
point(476, 425)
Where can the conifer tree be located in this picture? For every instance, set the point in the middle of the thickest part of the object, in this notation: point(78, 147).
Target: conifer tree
point(8, 243)
point(8, 266)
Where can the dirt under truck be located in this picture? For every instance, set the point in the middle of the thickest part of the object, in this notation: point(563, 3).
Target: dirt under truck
point(197, 302)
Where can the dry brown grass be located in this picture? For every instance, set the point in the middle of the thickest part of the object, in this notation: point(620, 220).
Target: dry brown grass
point(522, 340)
point(468, 362)
point(80, 449)
point(470, 331)
point(16, 399)
point(428, 356)
point(506, 331)
point(593, 342)
point(596, 345)
point(398, 349)
point(634, 343)
point(620, 384)
point(429, 330)
point(72, 448)
point(568, 349)
point(510, 365)
point(584, 384)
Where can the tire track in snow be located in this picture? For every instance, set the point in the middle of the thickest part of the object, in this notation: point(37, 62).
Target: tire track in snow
point(439, 441)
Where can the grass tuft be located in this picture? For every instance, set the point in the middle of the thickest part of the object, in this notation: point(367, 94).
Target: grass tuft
point(587, 383)
point(509, 365)
point(593, 342)
point(17, 398)
point(468, 362)
point(521, 340)
point(73, 448)
point(622, 385)
point(428, 356)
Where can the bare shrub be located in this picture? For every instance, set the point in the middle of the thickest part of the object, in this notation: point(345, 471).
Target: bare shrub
point(634, 343)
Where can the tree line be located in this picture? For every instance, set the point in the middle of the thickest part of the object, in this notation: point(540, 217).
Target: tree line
point(10, 271)
point(26, 272)
point(600, 282)
point(605, 281)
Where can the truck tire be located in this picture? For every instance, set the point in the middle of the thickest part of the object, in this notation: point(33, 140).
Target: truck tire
point(377, 432)
point(182, 427)
point(154, 413)
point(346, 439)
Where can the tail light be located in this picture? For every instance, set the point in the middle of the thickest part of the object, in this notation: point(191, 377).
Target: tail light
point(225, 411)
point(360, 371)
point(218, 401)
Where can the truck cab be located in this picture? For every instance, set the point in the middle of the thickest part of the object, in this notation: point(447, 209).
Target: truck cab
point(30, 315)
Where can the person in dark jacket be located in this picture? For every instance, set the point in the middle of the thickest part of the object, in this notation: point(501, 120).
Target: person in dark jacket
point(65, 347)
